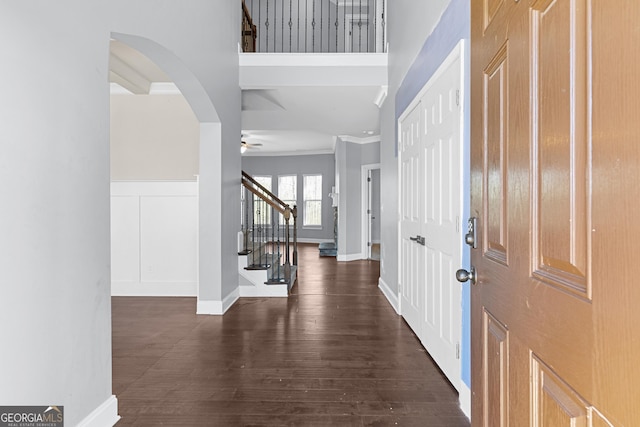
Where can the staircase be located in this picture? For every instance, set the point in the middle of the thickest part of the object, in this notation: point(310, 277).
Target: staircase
point(267, 243)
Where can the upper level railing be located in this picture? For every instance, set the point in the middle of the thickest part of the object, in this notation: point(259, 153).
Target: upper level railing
point(249, 30)
point(325, 26)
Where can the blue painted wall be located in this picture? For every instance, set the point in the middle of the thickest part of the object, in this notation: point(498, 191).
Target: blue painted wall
point(453, 26)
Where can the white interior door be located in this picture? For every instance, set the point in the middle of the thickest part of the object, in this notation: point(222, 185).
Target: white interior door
point(411, 212)
point(370, 210)
point(431, 209)
point(441, 138)
point(375, 206)
point(369, 213)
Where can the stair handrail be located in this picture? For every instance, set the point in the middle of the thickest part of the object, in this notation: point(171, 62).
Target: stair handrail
point(273, 204)
point(264, 189)
point(283, 208)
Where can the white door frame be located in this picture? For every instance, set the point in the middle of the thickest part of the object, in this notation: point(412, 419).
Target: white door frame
point(365, 222)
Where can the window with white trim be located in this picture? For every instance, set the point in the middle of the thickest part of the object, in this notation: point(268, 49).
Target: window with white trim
point(288, 192)
point(312, 204)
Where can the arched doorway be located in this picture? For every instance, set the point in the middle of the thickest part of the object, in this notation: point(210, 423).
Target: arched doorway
point(208, 188)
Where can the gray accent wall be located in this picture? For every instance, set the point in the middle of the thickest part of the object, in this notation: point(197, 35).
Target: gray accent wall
point(388, 196)
point(300, 165)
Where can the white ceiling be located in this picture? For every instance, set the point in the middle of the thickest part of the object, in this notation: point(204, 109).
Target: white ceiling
point(287, 120)
point(298, 119)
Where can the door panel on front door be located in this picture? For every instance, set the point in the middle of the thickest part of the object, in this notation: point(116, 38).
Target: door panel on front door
point(495, 181)
point(544, 302)
point(495, 365)
point(560, 144)
point(555, 403)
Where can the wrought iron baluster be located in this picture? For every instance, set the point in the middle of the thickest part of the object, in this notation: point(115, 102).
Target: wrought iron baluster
point(273, 229)
point(256, 230)
point(344, 28)
point(306, 23)
point(253, 226)
point(382, 25)
point(313, 26)
point(375, 26)
point(266, 24)
point(368, 29)
point(260, 232)
point(351, 31)
point(321, 16)
point(275, 23)
point(298, 32)
point(360, 27)
point(290, 23)
point(282, 26)
point(279, 253)
point(265, 235)
point(337, 25)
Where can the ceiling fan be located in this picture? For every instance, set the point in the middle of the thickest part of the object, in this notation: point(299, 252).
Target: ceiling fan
point(244, 145)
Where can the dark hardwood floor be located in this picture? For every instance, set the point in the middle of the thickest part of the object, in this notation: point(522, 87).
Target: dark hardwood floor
point(332, 354)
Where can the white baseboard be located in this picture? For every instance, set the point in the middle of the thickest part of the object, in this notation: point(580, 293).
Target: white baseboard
point(213, 308)
point(230, 299)
point(105, 415)
point(147, 289)
point(350, 257)
point(391, 296)
point(465, 399)
point(218, 308)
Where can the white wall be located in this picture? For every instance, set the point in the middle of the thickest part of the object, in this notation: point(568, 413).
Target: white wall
point(155, 141)
point(206, 42)
point(154, 238)
point(54, 179)
point(153, 137)
point(409, 23)
point(54, 184)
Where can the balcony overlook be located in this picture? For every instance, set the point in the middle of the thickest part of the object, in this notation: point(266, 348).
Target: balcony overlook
point(311, 72)
point(306, 26)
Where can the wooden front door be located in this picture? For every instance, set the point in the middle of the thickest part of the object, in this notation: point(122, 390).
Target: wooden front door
point(555, 167)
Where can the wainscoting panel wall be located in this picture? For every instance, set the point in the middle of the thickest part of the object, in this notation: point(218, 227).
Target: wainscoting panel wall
point(154, 238)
